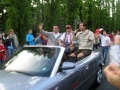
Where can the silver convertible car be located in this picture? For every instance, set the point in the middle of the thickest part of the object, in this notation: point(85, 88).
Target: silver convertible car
point(42, 68)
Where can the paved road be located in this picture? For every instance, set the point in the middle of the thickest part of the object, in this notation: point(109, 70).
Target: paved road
point(105, 85)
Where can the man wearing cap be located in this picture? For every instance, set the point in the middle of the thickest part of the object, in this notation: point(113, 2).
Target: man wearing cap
point(86, 38)
point(53, 37)
point(66, 40)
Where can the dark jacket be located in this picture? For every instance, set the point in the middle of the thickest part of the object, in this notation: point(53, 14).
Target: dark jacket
point(3, 39)
point(8, 42)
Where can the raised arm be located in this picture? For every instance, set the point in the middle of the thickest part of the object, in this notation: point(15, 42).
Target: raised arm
point(94, 37)
point(42, 31)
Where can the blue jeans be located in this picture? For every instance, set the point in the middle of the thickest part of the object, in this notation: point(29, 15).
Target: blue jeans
point(104, 53)
point(1, 61)
point(10, 52)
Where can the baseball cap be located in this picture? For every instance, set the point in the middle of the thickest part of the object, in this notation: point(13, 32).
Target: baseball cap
point(68, 26)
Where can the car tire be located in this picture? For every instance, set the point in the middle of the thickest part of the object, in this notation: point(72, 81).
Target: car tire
point(98, 76)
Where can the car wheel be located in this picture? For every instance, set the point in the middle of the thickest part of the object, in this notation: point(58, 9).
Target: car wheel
point(99, 76)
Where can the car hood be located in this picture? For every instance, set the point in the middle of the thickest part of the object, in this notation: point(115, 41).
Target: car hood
point(17, 81)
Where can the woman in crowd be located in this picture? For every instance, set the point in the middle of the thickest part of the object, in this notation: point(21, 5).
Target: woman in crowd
point(10, 44)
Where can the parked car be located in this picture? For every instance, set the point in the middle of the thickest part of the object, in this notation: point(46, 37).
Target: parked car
point(40, 68)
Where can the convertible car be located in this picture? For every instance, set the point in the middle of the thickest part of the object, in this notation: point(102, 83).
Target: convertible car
point(41, 68)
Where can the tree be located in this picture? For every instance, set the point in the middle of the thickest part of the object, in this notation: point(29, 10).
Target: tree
point(19, 17)
point(51, 13)
point(117, 15)
point(36, 14)
point(2, 16)
point(72, 11)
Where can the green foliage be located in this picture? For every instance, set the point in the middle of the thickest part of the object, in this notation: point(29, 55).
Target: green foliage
point(72, 11)
point(51, 14)
point(22, 15)
point(2, 16)
point(19, 17)
point(37, 14)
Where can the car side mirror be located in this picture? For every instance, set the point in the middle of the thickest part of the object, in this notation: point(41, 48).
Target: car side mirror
point(67, 65)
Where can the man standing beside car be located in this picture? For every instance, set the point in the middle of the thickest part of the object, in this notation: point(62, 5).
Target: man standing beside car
point(105, 43)
point(86, 38)
point(53, 37)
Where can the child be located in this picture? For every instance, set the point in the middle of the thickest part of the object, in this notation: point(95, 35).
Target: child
point(2, 49)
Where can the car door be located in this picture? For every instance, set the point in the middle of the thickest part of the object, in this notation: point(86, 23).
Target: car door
point(87, 66)
point(79, 77)
point(70, 78)
point(74, 79)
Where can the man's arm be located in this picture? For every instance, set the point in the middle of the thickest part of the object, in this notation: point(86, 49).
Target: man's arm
point(47, 34)
point(71, 45)
point(61, 40)
point(94, 38)
point(100, 36)
point(75, 37)
point(60, 43)
point(43, 32)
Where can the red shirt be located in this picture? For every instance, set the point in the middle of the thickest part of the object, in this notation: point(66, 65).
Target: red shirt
point(44, 42)
point(41, 36)
point(2, 47)
point(111, 37)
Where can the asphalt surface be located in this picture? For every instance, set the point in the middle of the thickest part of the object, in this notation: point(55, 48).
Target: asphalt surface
point(105, 85)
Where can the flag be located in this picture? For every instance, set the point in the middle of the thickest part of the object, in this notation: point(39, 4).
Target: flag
point(97, 31)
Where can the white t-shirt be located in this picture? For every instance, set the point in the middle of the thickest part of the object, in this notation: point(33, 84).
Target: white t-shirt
point(68, 37)
point(56, 35)
point(104, 40)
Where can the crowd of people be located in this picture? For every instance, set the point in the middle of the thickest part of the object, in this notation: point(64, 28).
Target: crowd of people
point(40, 39)
point(78, 43)
point(8, 45)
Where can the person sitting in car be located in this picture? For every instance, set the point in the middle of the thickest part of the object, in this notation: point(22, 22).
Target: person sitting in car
point(66, 40)
point(86, 38)
point(52, 37)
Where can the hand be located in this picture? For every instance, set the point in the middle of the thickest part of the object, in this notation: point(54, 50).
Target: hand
point(112, 73)
point(33, 38)
point(7, 38)
point(75, 32)
point(40, 26)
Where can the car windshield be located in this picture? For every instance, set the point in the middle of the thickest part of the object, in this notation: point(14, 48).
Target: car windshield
point(37, 61)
